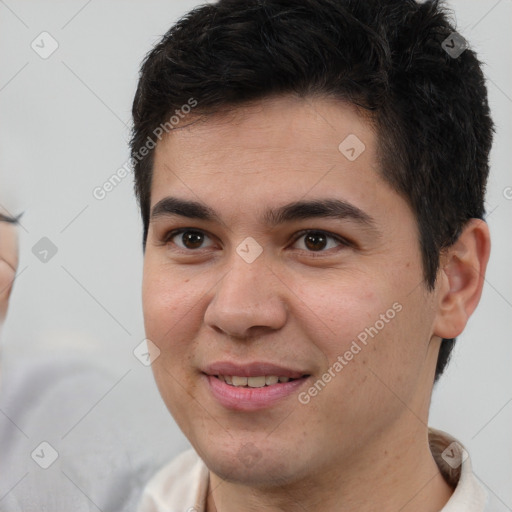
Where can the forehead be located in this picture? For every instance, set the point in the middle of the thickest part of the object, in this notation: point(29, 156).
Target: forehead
point(288, 142)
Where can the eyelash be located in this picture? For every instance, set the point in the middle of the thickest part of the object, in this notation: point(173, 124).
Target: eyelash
point(345, 243)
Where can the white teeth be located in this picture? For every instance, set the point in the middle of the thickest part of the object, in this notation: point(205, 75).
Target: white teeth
point(256, 382)
point(252, 382)
point(239, 381)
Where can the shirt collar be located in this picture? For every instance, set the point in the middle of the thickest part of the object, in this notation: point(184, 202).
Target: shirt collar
point(455, 465)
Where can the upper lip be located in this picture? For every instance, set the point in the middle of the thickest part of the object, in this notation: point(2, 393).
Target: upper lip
point(254, 369)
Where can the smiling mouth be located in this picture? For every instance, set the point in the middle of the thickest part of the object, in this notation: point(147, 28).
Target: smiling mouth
point(255, 382)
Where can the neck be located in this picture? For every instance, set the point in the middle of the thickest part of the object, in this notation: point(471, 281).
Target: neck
point(397, 472)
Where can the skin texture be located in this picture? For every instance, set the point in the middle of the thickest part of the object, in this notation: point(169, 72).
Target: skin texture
point(8, 266)
point(8, 263)
point(361, 443)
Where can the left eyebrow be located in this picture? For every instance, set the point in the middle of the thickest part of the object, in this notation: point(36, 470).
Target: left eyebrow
point(320, 208)
point(298, 210)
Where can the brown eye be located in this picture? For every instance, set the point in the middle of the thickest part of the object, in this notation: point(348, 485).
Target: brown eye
point(317, 241)
point(190, 238)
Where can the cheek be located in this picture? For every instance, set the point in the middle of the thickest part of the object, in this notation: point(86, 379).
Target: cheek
point(335, 311)
point(367, 322)
point(171, 305)
point(168, 318)
point(166, 300)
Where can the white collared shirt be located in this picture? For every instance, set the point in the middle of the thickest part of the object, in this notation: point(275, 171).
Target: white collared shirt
point(182, 485)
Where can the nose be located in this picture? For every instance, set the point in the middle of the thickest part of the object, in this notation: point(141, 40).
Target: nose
point(248, 301)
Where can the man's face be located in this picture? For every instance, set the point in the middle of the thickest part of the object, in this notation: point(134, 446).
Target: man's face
point(286, 295)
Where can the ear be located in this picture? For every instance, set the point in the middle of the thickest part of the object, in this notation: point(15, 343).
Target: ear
point(461, 279)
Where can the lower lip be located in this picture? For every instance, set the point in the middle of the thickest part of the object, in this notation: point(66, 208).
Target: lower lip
point(250, 399)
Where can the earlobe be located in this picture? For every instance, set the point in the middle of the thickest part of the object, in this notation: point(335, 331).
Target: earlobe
point(461, 279)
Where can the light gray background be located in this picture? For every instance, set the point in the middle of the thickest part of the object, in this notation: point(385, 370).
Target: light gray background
point(64, 128)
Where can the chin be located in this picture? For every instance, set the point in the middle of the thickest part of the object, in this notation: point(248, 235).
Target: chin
point(248, 464)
